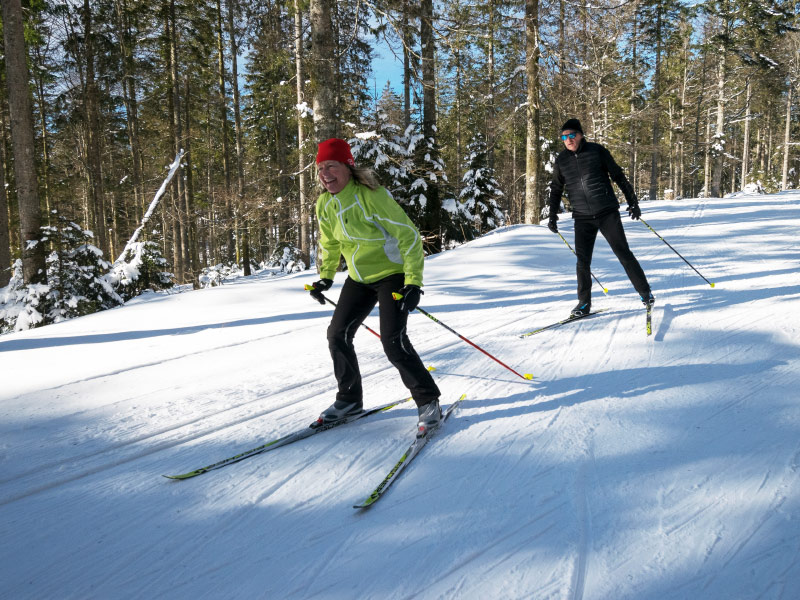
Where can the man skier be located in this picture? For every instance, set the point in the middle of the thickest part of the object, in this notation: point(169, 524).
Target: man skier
point(586, 170)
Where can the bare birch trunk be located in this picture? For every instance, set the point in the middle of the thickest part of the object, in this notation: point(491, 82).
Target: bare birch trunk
point(787, 139)
point(305, 238)
point(746, 141)
point(719, 160)
point(707, 170)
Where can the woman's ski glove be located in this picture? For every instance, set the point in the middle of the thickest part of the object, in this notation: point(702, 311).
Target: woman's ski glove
point(552, 224)
point(411, 296)
point(318, 287)
point(634, 211)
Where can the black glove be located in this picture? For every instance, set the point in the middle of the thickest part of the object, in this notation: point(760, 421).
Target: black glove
point(318, 287)
point(634, 211)
point(551, 224)
point(411, 297)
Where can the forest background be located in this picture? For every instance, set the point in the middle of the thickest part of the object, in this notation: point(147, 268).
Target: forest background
point(99, 98)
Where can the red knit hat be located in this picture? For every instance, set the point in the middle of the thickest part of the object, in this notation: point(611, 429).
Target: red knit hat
point(335, 149)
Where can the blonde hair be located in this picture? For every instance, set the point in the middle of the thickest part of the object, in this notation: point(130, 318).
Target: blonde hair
point(365, 176)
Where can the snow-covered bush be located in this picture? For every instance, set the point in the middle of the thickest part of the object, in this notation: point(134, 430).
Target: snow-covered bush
point(754, 188)
point(287, 258)
point(76, 282)
point(142, 268)
point(76, 274)
point(20, 304)
point(217, 274)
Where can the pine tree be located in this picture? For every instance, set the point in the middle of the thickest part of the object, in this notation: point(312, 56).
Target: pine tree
point(75, 274)
point(384, 148)
point(481, 192)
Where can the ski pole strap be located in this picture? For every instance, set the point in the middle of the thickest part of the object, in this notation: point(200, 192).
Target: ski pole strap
point(676, 252)
point(308, 288)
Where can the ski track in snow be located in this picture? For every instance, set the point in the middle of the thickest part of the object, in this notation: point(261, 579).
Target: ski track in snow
point(632, 467)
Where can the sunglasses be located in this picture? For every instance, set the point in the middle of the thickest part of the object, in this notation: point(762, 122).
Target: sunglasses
point(571, 136)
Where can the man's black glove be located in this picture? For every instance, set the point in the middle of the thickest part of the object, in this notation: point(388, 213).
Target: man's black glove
point(318, 287)
point(411, 297)
point(551, 224)
point(634, 211)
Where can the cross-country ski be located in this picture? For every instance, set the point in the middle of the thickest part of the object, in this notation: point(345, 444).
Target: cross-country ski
point(419, 442)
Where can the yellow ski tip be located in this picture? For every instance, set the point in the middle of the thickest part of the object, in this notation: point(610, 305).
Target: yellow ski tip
point(308, 287)
point(431, 368)
point(396, 296)
point(528, 376)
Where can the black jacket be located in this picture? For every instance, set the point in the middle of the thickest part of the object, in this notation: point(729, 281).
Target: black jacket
point(587, 175)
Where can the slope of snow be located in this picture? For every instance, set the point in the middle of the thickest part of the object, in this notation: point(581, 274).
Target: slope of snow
point(632, 467)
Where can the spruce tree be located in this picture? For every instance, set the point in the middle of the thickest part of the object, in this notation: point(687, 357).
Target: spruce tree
point(481, 193)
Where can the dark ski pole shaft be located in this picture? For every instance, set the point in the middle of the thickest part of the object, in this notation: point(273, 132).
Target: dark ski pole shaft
point(329, 301)
point(527, 376)
point(605, 289)
point(676, 252)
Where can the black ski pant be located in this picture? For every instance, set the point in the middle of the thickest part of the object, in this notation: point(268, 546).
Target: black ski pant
point(610, 225)
point(356, 302)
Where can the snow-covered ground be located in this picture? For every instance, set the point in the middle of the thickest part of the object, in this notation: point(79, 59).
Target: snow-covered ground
point(632, 467)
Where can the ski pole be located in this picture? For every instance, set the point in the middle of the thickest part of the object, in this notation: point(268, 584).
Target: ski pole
point(675, 251)
point(605, 289)
point(329, 301)
point(527, 376)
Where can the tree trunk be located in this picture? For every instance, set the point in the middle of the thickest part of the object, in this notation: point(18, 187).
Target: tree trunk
point(305, 238)
point(21, 117)
point(490, 106)
point(787, 139)
point(5, 235)
point(698, 120)
point(562, 60)
point(459, 111)
point(406, 65)
point(679, 190)
point(746, 141)
point(719, 143)
point(707, 170)
point(230, 239)
point(129, 98)
point(432, 219)
point(654, 165)
point(94, 138)
point(237, 120)
point(323, 70)
point(533, 208)
point(634, 168)
point(191, 255)
point(39, 78)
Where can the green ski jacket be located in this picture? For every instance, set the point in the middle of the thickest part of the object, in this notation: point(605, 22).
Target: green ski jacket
point(371, 231)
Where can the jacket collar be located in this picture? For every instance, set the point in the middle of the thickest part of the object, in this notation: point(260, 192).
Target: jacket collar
point(580, 148)
point(348, 190)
